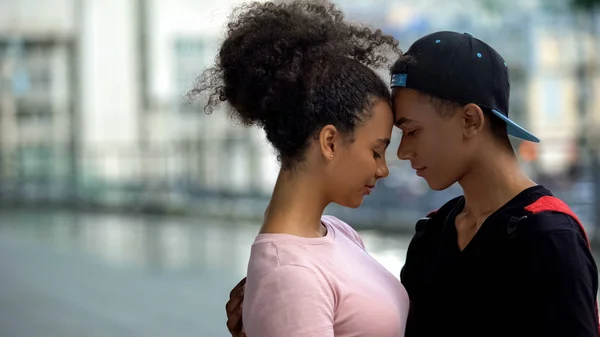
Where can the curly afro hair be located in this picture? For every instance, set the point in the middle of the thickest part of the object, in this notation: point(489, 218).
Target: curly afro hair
point(294, 67)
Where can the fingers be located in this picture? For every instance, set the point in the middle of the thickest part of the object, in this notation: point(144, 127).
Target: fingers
point(234, 321)
point(234, 310)
point(237, 287)
point(235, 302)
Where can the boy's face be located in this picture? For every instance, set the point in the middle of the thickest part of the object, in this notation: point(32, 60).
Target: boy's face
point(433, 143)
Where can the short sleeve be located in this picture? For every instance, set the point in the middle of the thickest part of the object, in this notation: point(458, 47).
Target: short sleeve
point(290, 300)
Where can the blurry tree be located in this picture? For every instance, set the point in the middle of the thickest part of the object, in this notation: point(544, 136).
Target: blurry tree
point(587, 5)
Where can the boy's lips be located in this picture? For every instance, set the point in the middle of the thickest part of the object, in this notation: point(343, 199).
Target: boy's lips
point(420, 170)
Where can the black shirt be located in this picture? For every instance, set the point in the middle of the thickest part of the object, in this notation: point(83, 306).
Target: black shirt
point(522, 274)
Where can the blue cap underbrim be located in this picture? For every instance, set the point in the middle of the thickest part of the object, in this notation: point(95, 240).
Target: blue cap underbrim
point(515, 129)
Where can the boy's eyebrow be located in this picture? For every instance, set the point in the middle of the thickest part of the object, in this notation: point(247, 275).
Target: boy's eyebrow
point(402, 120)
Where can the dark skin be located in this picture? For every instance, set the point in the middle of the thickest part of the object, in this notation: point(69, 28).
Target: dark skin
point(338, 169)
point(234, 310)
point(458, 147)
point(330, 135)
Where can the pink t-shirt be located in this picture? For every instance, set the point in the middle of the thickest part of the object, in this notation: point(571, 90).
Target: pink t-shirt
point(327, 286)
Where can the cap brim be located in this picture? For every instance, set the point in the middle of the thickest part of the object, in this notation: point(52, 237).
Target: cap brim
point(515, 129)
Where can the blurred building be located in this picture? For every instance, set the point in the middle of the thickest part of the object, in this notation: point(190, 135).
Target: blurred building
point(92, 91)
point(36, 86)
point(103, 82)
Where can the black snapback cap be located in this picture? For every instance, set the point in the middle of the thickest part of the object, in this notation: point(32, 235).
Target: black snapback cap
point(461, 68)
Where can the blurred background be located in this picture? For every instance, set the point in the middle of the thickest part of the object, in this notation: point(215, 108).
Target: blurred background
point(124, 212)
